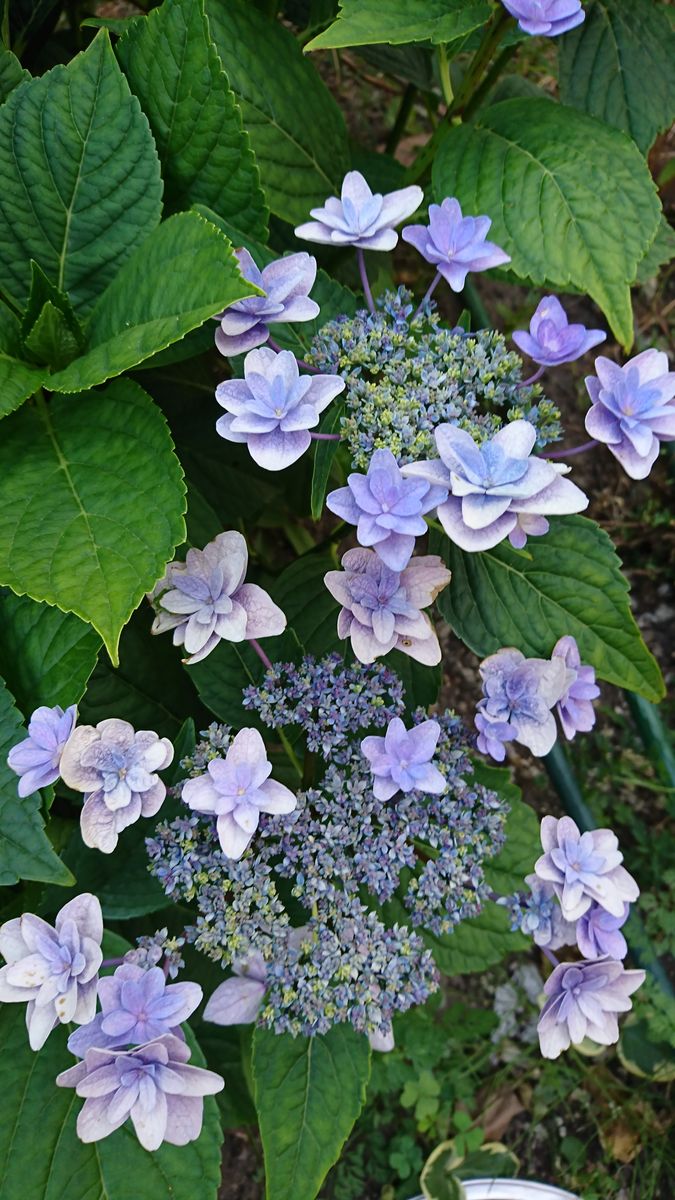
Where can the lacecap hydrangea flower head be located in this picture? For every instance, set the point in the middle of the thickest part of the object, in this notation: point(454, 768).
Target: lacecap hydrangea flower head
point(551, 339)
point(455, 244)
point(584, 868)
point(519, 695)
point(138, 1004)
point(583, 999)
point(633, 409)
point(361, 218)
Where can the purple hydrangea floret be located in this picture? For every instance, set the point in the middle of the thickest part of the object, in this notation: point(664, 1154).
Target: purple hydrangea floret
point(541, 919)
point(633, 409)
point(37, 758)
point(599, 933)
point(286, 283)
point(492, 486)
point(401, 761)
point(137, 1006)
point(583, 999)
point(493, 735)
point(360, 218)
point(273, 407)
point(53, 970)
point(521, 692)
point(584, 868)
point(575, 707)
point(238, 1000)
point(552, 340)
point(547, 17)
point(387, 509)
point(454, 244)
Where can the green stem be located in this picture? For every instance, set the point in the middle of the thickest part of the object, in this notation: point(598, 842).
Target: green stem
point(494, 31)
point(489, 81)
point(290, 753)
point(471, 300)
point(655, 737)
point(398, 128)
point(444, 73)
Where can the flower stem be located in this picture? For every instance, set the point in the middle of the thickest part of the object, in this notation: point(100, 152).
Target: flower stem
point(304, 366)
point(575, 450)
point(533, 378)
point(401, 121)
point(428, 294)
point(324, 437)
point(360, 258)
point(290, 754)
point(494, 32)
point(444, 73)
point(112, 962)
point(260, 652)
point(552, 958)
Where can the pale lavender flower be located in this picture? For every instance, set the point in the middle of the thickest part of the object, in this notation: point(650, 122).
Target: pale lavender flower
point(152, 1084)
point(382, 1040)
point(238, 1000)
point(387, 509)
point(116, 767)
point(53, 970)
point(547, 17)
point(493, 484)
point(541, 918)
point(633, 410)
point(137, 1006)
point(454, 244)
point(493, 734)
point(575, 707)
point(236, 790)
point(205, 599)
point(583, 1000)
point(286, 284)
point(36, 759)
point(381, 608)
point(599, 933)
point(552, 340)
point(584, 868)
point(273, 407)
point(401, 760)
point(360, 218)
point(521, 692)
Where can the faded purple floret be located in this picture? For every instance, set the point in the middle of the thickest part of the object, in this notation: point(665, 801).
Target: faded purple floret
point(584, 868)
point(401, 760)
point(493, 735)
point(36, 759)
point(583, 1000)
point(575, 707)
point(494, 485)
point(286, 283)
point(153, 1085)
point(547, 17)
point(521, 692)
point(137, 1006)
point(539, 917)
point(633, 409)
point(273, 407)
point(387, 509)
point(599, 933)
point(552, 340)
point(454, 244)
point(381, 608)
point(360, 218)
point(205, 599)
point(236, 790)
point(53, 969)
point(116, 767)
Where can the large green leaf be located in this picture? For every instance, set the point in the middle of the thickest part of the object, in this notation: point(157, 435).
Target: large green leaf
point(368, 22)
point(618, 66)
point(11, 73)
point(568, 582)
point(478, 943)
point(310, 609)
point(80, 177)
point(660, 253)
point(308, 1093)
point(182, 275)
point(124, 892)
point(18, 381)
point(571, 200)
point(25, 849)
point(172, 66)
point(92, 498)
point(297, 130)
point(38, 1142)
point(46, 655)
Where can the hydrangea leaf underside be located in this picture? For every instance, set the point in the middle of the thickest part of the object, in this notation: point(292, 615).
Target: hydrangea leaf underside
point(172, 66)
point(93, 500)
point(46, 655)
point(366, 22)
point(80, 177)
point(571, 200)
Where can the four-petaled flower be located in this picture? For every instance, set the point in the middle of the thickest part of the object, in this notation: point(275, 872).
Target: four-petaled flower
point(633, 410)
point(236, 789)
point(386, 508)
point(401, 760)
point(584, 868)
point(547, 17)
point(205, 599)
point(575, 707)
point(53, 969)
point(454, 244)
point(152, 1084)
point(117, 768)
point(37, 758)
point(360, 218)
point(286, 283)
point(552, 340)
point(583, 1000)
point(137, 1006)
point(381, 608)
point(521, 692)
point(599, 933)
point(273, 407)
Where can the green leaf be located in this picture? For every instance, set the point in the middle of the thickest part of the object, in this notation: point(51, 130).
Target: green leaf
point(172, 66)
point(568, 582)
point(50, 340)
point(310, 609)
point(18, 381)
point(477, 943)
point(92, 498)
point(43, 292)
point(618, 66)
point(318, 1086)
point(221, 678)
point(366, 22)
point(660, 253)
point(57, 1163)
point(80, 177)
point(324, 456)
point(571, 200)
point(505, 872)
point(25, 849)
point(182, 275)
point(124, 893)
point(302, 157)
point(11, 73)
point(46, 655)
